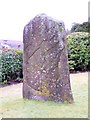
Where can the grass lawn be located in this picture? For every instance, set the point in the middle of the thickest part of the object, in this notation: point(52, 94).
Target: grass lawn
point(12, 105)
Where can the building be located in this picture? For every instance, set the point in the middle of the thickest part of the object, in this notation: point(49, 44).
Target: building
point(13, 44)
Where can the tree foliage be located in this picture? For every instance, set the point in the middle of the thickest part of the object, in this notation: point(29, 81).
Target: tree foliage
point(84, 27)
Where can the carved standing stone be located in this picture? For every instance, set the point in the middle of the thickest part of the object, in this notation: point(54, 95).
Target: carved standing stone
point(45, 68)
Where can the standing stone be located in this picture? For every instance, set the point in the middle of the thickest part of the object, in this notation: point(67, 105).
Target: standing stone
point(45, 68)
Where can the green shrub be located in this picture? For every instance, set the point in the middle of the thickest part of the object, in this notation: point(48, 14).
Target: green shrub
point(11, 64)
point(78, 51)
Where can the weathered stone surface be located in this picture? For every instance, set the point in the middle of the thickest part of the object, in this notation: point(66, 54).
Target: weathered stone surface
point(45, 68)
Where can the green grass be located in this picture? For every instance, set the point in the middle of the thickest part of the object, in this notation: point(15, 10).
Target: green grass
point(14, 106)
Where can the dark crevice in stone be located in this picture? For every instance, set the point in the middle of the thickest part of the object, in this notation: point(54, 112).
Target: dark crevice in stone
point(35, 50)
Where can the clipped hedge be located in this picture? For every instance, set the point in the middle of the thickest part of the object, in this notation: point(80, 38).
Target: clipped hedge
point(78, 51)
point(10, 64)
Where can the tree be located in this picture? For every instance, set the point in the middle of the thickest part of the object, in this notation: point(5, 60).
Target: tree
point(84, 27)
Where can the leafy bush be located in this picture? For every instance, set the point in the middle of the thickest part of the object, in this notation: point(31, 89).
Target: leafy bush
point(78, 51)
point(11, 64)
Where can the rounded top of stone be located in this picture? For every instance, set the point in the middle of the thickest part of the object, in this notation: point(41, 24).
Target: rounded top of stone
point(43, 15)
point(43, 18)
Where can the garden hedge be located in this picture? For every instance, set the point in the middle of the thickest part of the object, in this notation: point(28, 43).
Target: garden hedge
point(79, 51)
point(10, 64)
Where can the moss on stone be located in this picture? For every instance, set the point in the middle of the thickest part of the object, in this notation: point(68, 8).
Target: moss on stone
point(60, 27)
